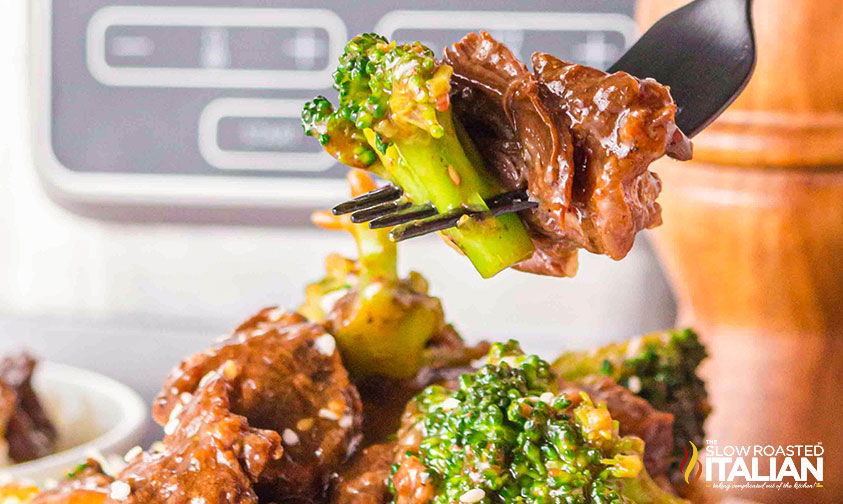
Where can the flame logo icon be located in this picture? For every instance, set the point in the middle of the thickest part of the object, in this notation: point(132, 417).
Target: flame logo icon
point(687, 466)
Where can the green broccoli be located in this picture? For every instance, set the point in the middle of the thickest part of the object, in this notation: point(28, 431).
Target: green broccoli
point(505, 436)
point(385, 325)
point(659, 367)
point(394, 119)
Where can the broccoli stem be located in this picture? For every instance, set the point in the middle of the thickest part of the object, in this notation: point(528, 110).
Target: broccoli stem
point(377, 254)
point(439, 171)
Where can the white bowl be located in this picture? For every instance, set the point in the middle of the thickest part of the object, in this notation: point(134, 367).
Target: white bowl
point(93, 415)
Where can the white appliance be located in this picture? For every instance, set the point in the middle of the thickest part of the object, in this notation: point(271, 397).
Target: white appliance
point(128, 239)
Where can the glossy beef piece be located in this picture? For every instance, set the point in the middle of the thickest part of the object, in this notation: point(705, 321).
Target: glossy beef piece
point(29, 432)
point(210, 455)
point(365, 480)
point(635, 416)
point(620, 125)
point(286, 376)
point(578, 139)
point(497, 101)
point(87, 484)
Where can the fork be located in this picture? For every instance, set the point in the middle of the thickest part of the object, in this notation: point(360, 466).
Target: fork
point(705, 53)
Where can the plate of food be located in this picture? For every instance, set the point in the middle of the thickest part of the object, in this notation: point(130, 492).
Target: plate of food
point(366, 393)
point(53, 415)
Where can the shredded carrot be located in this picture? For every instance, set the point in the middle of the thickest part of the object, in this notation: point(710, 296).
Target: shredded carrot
point(361, 183)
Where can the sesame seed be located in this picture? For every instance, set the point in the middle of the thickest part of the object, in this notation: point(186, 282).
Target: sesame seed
point(229, 370)
point(290, 437)
point(275, 315)
point(132, 454)
point(346, 421)
point(547, 397)
point(325, 345)
point(634, 384)
point(472, 496)
point(120, 490)
point(328, 414)
point(176, 412)
point(171, 426)
point(633, 347)
point(511, 360)
point(462, 220)
point(449, 403)
point(455, 177)
point(186, 397)
point(330, 299)
point(372, 289)
point(305, 424)
point(157, 447)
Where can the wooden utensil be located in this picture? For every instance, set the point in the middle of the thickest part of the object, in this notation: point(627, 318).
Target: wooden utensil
point(753, 242)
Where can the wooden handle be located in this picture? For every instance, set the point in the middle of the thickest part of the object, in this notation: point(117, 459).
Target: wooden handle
point(753, 242)
point(791, 113)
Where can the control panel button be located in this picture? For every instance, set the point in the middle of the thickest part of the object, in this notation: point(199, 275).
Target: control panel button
point(214, 47)
point(258, 134)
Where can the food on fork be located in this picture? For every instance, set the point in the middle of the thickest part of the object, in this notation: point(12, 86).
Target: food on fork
point(454, 134)
point(579, 139)
point(394, 118)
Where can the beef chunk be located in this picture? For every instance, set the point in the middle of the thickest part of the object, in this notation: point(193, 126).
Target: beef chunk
point(88, 483)
point(211, 456)
point(29, 432)
point(286, 376)
point(364, 481)
point(578, 139)
point(635, 417)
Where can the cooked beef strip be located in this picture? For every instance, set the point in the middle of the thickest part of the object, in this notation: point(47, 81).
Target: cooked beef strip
point(89, 485)
point(29, 432)
point(286, 376)
point(364, 481)
point(213, 456)
point(635, 416)
point(580, 140)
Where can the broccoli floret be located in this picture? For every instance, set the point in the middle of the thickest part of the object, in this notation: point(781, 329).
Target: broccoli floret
point(394, 118)
point(505, 436)
point(659, 367)
point(383, 323)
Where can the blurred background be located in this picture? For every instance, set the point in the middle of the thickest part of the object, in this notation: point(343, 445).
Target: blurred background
point(155, 184)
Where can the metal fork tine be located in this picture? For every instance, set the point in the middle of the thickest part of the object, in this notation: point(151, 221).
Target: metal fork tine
point(420, 220)
point(514, 206)
point(369, 214)
point(403, 217)
point(438, 223)
point(507, 197)
point(380, 195)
